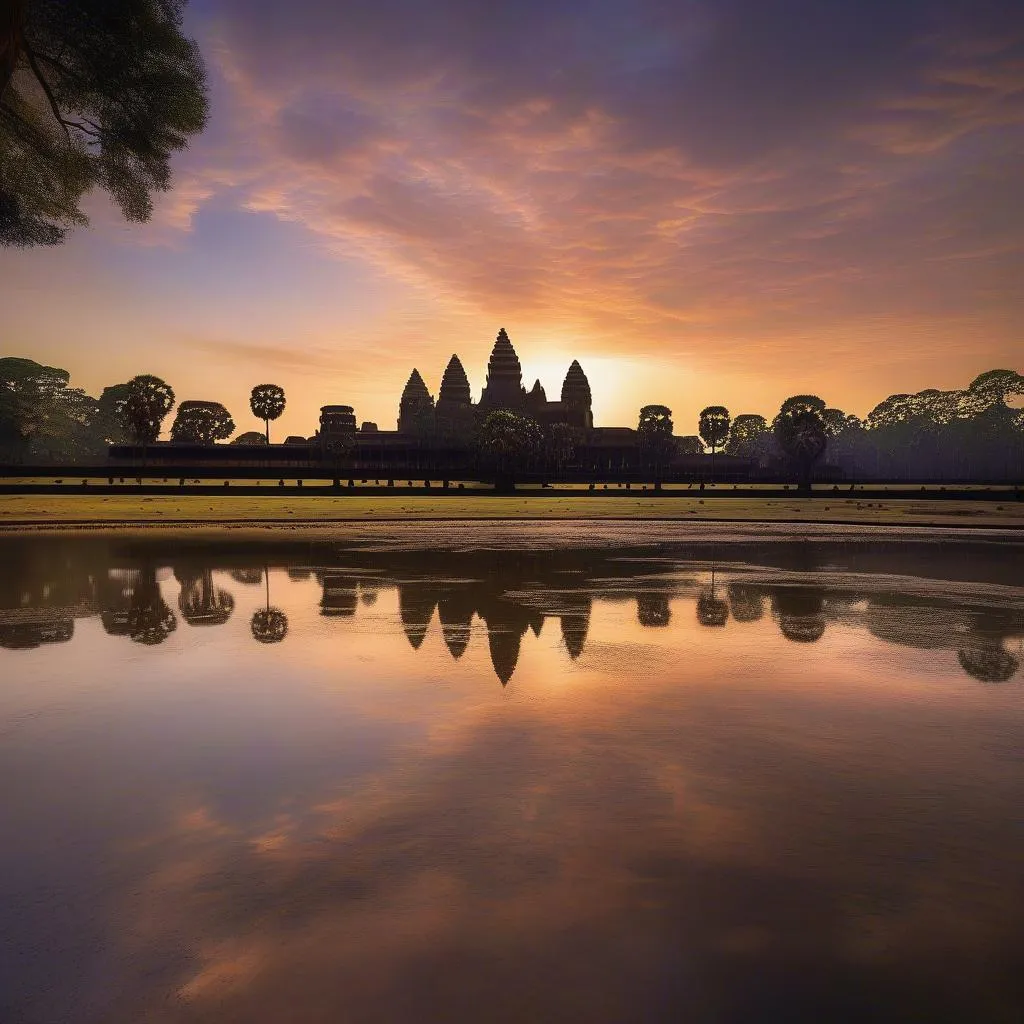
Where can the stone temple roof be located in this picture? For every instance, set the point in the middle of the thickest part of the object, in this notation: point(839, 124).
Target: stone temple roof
point(537, 391)
point(504, 363)
point(416, 390)
point(576, 387)
point(454, 383)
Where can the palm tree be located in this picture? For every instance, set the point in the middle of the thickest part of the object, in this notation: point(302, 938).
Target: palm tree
point(713, 427)
point(800, 431)
point(269, 625)
point(711, 609)
point(267, 403)
point(656, 437)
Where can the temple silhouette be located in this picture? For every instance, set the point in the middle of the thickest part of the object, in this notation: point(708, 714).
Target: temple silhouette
point(454, 412)
point(435, 437)
point(447, 425)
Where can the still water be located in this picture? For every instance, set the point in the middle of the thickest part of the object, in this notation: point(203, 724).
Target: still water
point(512, 773)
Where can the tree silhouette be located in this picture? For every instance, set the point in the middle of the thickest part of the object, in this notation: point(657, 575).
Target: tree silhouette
point(92, 93)
point(800, 612)
point(202, 423)
point(144, 407)
point(267, 403)
point(748, 436)
point(200, 602)
point(988, 664)
point(108, 426)
point(653, 609)
point(249, 577)
point(508, 442)
point(149, 620)
point(689, 444)
point(269, 625)
point(42, 417)
point(560, 445)
point(745, 602)
point(800, 432)
point(250, 437)
point(654, 434)
point(713, 427)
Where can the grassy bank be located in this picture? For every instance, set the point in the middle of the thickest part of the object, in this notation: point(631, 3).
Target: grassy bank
point(284, 511)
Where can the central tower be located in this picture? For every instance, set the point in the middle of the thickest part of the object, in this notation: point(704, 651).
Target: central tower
point(504, 387)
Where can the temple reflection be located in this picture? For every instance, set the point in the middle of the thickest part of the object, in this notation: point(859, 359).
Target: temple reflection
point(339, 594)
point(47, 586)
point(416, 603)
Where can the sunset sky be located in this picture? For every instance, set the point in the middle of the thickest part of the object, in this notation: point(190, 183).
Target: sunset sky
point(704, 201)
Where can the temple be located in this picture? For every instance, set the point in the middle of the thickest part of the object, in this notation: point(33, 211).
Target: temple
point(454, 415)
point(434, 437)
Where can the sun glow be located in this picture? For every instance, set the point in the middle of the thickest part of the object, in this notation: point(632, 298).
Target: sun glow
point(611, 378)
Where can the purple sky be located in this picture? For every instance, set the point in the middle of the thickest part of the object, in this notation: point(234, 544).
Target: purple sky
point(705, 202)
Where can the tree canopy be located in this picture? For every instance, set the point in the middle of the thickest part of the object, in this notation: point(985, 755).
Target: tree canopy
point(202, 423)
point(508, 441)
point(713, 426)
point(800, 432)
point(93, 94)
point(655, 435)
point(267, 403)
point(146, 403)
point(749, 436)
point(250, 437)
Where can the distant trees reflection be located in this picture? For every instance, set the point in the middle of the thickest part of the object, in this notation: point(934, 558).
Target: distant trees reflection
point(49, 586)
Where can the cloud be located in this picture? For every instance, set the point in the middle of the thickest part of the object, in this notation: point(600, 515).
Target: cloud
point(722, 169)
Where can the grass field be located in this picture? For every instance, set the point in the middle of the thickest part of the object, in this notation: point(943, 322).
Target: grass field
point(285, 511)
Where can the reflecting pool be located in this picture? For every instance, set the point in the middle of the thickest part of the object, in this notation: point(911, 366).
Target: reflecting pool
point(512, 772)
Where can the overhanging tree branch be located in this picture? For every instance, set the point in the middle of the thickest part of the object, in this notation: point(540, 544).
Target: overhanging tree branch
point(37, 71)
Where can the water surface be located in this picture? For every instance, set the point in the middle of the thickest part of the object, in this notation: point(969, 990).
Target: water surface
point(484, 772)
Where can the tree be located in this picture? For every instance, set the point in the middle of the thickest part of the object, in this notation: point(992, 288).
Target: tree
point(144, 407)
point(509, 442)
point(27, 388)
point(654, 433)
point(800, 431)
point(800, 612)
point(250, 437)
point(689, 444)
point(989, 663)
point(202, 423)
point(267, 403)
point(560, 445)
point(93, 93)
point(41, 418)
point(149, 621)
point(713, 427)
point(652, 610)
point(109, 427)
point(200, 601)
point(749, 437)
point(269, 625)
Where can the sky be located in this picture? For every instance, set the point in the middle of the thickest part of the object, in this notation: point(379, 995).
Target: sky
point(704, 201)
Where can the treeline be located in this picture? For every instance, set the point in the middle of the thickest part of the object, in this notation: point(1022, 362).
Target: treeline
point(43, 419)
point(972, 433)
